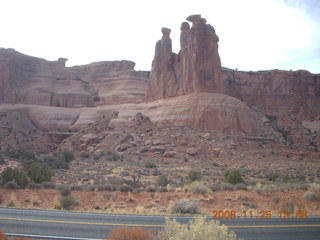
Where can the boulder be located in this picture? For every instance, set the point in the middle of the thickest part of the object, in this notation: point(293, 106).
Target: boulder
point(122, 147)
point(192, 151)
point(169, 154)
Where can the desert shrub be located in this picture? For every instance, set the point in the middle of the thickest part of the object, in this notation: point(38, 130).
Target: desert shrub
point(67, 202)
point(60, 164)
point(110, 187)
point(240, 186)
point(125, 233)
point(101, 187)
point(227, 186)
point(198, 187)
point(33, 185)
point(11, 185)
point(311, 196)
point(163, 181)
point(151, 189)
point(65, 156)
point(214, 187)
point(14, 175)
point(39, 172)
point(125, 188)
point(21, 154)
point(233, 177)
point(185, 206)
point(193, 175)
point(65, 191)
point(276, 200)
point(2, 161)
point(113, 157)
point(197, 229)
point(150, 165)
point(250, 205)
point(76, 188)
point(48, 185)
point(3, 236)
point(55, 162)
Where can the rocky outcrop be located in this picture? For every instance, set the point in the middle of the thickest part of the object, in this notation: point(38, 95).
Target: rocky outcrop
point(271, 83)
point(197, 67)
point(30, 80)
point(113, 82)
point(295, 93)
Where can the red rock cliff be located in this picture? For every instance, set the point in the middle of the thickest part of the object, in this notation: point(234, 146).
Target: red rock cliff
point(31, 80)
point(197, 67)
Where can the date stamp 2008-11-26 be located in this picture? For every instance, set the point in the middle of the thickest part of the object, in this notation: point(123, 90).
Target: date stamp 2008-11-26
point(263, 214)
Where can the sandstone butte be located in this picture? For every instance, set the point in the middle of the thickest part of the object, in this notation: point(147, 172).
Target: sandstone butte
point(185, 89)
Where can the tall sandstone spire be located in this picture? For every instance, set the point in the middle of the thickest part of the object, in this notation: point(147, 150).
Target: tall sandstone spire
point(197, 67)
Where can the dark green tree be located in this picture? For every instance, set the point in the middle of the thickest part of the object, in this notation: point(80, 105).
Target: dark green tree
point(14, 175)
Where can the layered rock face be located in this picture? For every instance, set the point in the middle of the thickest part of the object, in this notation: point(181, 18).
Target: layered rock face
point(292, 92)
point(272, 83)
point(197, 67)
point(30, 80)
point(113, 82)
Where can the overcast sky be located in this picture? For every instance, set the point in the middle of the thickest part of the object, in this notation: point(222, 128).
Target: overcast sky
point(254, 34)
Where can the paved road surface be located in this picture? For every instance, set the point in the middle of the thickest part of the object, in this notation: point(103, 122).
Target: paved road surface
point(71, 225)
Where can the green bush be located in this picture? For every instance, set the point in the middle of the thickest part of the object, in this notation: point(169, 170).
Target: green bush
point(163, 181)
point(197, 229)
point(21, 154)
point(65, 156)
point(113, 157)
point(240, 186)
point(193, 175)
point(233, 177)
point(150, 165)
point(56, 161)
point(60, 164)
point(185, 206)
point(39, 172)
point(214, 187)
point(227, 186)
point(14, 175)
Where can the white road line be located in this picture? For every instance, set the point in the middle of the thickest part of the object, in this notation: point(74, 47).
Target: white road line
point(48, 237)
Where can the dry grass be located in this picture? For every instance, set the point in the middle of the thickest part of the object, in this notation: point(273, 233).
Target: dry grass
point(185, 206)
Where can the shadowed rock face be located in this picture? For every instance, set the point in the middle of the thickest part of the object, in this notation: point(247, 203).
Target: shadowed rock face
point(197, 67)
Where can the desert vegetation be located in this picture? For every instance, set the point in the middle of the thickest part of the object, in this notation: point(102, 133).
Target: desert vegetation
point(33, 170)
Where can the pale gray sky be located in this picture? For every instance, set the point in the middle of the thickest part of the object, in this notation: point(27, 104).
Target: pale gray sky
point(254, 34)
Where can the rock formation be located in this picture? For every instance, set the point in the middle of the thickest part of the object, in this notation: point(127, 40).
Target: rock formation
point(293, 92)
point(197, 67)
point(30, 80)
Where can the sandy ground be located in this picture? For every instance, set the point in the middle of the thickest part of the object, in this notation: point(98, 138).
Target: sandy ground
point(160, 202)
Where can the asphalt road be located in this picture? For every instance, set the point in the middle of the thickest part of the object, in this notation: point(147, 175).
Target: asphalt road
point(72, 225)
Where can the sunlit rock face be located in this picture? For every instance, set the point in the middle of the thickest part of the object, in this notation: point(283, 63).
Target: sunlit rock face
point(31, 80)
